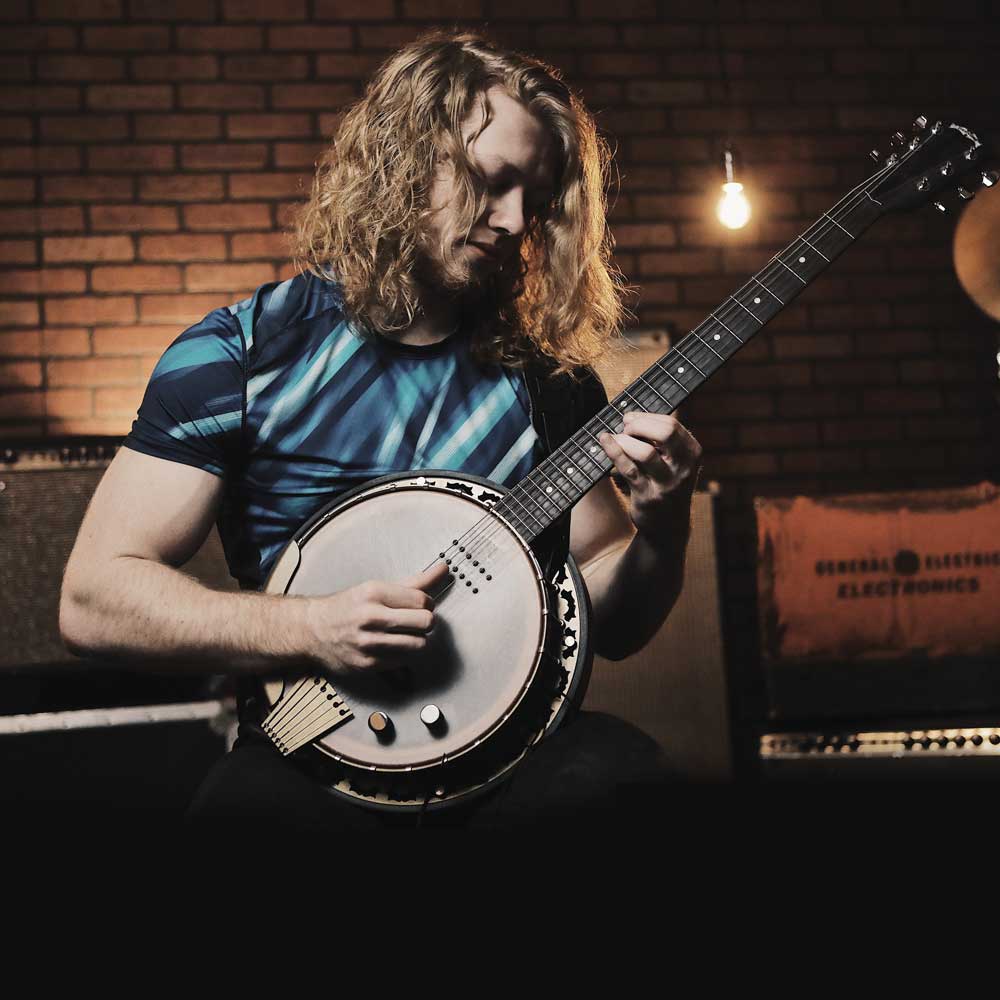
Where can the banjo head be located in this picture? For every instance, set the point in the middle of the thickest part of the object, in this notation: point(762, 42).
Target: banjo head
point(457, 714)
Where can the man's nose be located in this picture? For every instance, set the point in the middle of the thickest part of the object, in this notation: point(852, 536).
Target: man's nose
point(507, 213)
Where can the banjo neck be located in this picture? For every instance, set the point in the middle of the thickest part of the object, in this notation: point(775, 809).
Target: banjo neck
point(912, 176)
point(562, 479)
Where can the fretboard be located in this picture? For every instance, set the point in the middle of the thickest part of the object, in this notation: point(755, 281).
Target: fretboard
point(560, 480)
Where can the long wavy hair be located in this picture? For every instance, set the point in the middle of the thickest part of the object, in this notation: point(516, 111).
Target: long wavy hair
point(367, 216)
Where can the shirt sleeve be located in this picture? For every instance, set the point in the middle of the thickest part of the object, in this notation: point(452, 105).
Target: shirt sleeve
point(194, 406)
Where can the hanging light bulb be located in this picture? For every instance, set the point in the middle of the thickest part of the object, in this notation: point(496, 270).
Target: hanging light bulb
point(733, 208)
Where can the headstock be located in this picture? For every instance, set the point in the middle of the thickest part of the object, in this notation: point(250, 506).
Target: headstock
point(934, 160)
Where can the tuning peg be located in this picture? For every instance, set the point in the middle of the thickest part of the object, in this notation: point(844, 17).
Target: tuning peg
point(936, 127)
point(990, 177)
point(920, 124)
point(966, 195)
point(875, 155)
point(940, 207)
point(898, 139)
point(972, 153)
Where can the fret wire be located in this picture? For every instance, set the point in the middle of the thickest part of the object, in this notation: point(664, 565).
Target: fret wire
point(747, 311)
point(768, 290)
point(690, 362)
point(709, 346)
point(513, 495)
point(545, 497)
point(820, 252)
point(719, 320)
point(583, 451)
point(838, 225)
point(508, 511)
point(677, 380)
point(790, 271)
point(652, 389)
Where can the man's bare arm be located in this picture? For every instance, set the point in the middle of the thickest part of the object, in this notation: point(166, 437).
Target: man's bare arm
point(124, 596)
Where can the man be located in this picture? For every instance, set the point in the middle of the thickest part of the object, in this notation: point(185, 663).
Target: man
point(454, 237)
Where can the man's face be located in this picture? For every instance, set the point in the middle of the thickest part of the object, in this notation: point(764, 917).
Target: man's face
point(516, 155)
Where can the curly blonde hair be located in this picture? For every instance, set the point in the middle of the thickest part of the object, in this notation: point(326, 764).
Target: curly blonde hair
point(366, 217)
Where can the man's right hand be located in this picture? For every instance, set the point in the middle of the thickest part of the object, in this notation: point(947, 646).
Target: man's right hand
point(376, 625)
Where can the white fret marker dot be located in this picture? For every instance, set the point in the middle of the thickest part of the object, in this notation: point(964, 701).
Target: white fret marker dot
point(802, 260)
point(756, 301)
point(548, 489)
point(717, 337)
point(680, 371)
point(569, 469)
point(624, 405)
point(593, 448)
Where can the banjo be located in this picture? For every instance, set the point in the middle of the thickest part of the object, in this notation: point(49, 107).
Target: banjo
point(509, 655)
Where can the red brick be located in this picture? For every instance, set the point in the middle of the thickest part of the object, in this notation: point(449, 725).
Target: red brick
point(678, 263)
point(66, 68)
point(134, 340)
point(355, 10)
point(851, 431)
point(298, 154)
point(267, 126)
point(19, 189)
point(42, 38)
point(426, 10)
point(20, 404)
point(130, 97)
point(763, 376)
point(39, 159)
point(131, 158)
point(639, 235)
point(84, 427)
point(136, 278)
point(777, 435)
point(181, 309)
point(87, 248)
point(312, 95)
point(16, 128)
point(40, 98)
point(181, 187)
point(90, 309)
point(224, 277)
point(224, 156)
point(175, 67)
point(824, 345)
point(742, 464)
point(308, 39)
point(21, 343)
point(902, 400)
point(15, 312)
point(182, 248)
point(227, 218)
point(117, 402)
point(68, 342)
point(93, 372)
point(91, 188)
point(263, 10)
point(186, 126)
point(348, 65)
point(43, 280)
point(83, 127)
point(230, 38)
point(221, 96)
point(171, 10)
point(266, 68)
point(18, 252)
point(78, 10)
point(283, 185)
point(133, 218)
point(260, 246)
point(816, 462)
point(146, 38)
point(69, 402)
point(20, 374)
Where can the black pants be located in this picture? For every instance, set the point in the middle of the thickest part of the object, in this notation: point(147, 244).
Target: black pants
point(596, 770)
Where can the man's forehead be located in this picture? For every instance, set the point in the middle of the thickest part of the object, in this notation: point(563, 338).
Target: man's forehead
point(515, 138)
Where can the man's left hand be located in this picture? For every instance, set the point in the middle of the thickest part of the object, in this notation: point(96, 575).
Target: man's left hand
point(659, 458)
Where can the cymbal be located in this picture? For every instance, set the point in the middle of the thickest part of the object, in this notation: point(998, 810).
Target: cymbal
point(977, 252)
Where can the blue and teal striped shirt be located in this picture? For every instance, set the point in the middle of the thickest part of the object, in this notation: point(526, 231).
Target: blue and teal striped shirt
point(280, 397)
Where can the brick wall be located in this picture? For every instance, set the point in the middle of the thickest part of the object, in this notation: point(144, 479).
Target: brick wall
point(152, 149)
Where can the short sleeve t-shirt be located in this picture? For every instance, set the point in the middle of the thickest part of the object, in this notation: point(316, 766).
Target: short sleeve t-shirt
point(281, 397)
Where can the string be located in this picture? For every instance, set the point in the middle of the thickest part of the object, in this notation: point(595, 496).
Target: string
point(488, 526)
